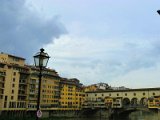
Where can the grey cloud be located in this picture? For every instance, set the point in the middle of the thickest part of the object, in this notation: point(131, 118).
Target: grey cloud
point(22, 32)
point(130, 57)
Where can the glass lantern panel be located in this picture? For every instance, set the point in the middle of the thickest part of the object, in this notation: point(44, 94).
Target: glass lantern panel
point(36, 61)
point(45, 61)
point(41, 62)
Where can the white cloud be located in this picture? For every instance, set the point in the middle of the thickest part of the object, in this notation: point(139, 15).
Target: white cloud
point(111, 61)
point(110, 44)
point(82, 58)
point(75, 47)
point(141, 78)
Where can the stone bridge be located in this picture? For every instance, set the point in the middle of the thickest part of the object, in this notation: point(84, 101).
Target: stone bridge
point(121, 101)
point(122, 98)
point(129, 109)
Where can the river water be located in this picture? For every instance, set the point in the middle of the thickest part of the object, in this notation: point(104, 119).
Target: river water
point(138, 115)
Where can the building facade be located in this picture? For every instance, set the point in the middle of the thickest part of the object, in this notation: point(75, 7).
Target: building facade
point(72, 95)
point(97, 87)
point(13, 82)
point(123, 98)
point(50, 91)
point(19, 87)
point(19, 90)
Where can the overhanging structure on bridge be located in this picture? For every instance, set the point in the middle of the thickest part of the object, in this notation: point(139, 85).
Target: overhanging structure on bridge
point(144, 97)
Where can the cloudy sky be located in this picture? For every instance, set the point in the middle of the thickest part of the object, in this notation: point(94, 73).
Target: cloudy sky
point(111, 41)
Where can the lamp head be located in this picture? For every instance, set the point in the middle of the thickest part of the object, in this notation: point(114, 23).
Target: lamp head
point(158, 11)
point(41, 58)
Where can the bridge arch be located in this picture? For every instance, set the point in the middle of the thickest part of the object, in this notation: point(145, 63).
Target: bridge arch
point(134, 101)
point(143, 101)
point(126, 101)
point(126, 112)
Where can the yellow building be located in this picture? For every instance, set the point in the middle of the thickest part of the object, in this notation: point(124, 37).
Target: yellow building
point(72, 95)
point(50, 91)
point(13, 82)
point(19, 85)
point(108, 102)
point(90, 88)
point(154, 102)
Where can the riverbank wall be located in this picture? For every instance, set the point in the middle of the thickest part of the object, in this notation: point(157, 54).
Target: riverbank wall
point(59, 113)
point(85, 113)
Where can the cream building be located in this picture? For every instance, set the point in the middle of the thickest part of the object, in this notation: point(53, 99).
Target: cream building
point(125, 97)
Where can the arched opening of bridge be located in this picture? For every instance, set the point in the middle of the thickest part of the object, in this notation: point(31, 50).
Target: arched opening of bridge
point(143, 101)
point(135, 112)
point(126, 102)
point(134, 102)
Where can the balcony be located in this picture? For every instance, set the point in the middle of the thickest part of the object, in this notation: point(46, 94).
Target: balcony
point(22, 87)
point(1, 86)
point(22, 98)
point(32, 93)
point(23, 82)
point(1, 69)
point(2, 80)
point(1, 92)
point(20, 94)
point(2, 74)
point(33, 99)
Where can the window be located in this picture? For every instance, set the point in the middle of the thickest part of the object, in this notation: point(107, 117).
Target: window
point(117, 94)
point(153, 93)
point(5, 104)
point(102, 94)
point(12, 91)
point(15, 59)
point(13, 85)
point(1, 66)
point(134, 94)
point(143, 93)
point(95, 94)
point(110, 94)
point(1, 96)
point(5, 98)
point(14, 79)
point(125, 94)
point(14, 73)
point(12, 97)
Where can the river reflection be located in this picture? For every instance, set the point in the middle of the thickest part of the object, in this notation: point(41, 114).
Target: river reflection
point(138, 115)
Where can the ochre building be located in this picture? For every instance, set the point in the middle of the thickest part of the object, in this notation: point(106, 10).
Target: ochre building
point(19, 87)
point(72, 95)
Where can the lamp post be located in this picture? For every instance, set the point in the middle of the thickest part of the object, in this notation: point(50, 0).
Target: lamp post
point(41, 59)
point(158, 11)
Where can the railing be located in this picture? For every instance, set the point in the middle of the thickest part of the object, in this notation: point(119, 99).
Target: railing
point(135, 106)
point(2, 74)
point(102, 105)
point(2, 81)
point(1, 86)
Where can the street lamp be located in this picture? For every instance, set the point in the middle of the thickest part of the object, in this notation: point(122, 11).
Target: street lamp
point(158, 11)
point(41, 59)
